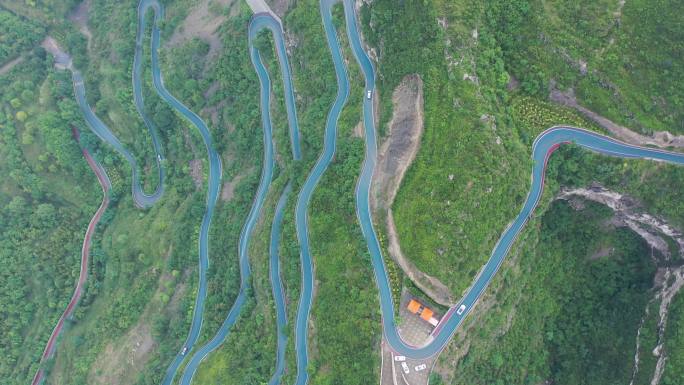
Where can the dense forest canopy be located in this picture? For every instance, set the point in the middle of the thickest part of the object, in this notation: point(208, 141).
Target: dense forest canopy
point(568, 306)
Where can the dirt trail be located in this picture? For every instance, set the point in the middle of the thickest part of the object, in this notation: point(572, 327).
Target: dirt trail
point(5, 68)
point(395, 155)
point(661, 139)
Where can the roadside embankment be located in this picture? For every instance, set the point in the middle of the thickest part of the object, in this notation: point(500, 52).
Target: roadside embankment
point(395, 156)
point(669, 278)
point(663, 139)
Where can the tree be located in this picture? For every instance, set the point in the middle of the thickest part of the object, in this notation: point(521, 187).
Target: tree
point(21, 116)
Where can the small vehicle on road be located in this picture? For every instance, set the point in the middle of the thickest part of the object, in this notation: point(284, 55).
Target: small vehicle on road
point(185, 350)
point(461, 309)
point(368, 94)
point(399, 358)
point(404, 366)
point(420, 367)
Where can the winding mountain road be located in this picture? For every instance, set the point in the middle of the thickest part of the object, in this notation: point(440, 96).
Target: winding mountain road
point(98, 127)
point(214, 179)
point(106, 186)
point(542, 148)
point(258, 22)
point(144, 200)
point(304, 198)
point(277, 286)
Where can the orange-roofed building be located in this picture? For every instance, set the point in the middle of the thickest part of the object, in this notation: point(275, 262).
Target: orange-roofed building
point(414, 306)
point(426, 314)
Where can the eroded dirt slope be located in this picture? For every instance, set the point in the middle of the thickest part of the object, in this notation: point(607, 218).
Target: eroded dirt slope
point(395, 155)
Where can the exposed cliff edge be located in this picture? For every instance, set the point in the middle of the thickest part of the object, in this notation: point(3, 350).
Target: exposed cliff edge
point(395, 155)
point(628, 213)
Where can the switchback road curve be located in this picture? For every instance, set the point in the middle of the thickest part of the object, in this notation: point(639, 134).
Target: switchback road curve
point(262, 21)
point(257, 23)
point(542, 148)
point(98, 127)
point(304, 198)
point(214, 176)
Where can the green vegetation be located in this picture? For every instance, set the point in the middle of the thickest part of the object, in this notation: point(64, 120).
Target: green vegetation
point(17, 35)
point(459, 157)
point(534, 116)
point(553, 313)
point(47, 197)
point(620, 59)
point(674, 373)
point(46, 12)
point(45, 170)
point(575, 315)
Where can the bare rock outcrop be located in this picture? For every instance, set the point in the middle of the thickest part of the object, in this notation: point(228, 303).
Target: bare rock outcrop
point(395, 155)
point(628, 213)
point(280, 7)
point(401, 145)
point(668, 279)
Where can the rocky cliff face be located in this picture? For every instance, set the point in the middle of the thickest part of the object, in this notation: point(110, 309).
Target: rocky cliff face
point(669, 278)
point(395, 155)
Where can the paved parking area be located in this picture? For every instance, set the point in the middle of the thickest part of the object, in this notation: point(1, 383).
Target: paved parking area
point(414, 331)
point(393, 372)
point(415, 377)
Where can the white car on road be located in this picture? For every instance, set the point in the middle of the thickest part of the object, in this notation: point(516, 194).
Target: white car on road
point(368, 94)
point(399, 358)
point(420, 367)
point(405, 367)
point(461, 309)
